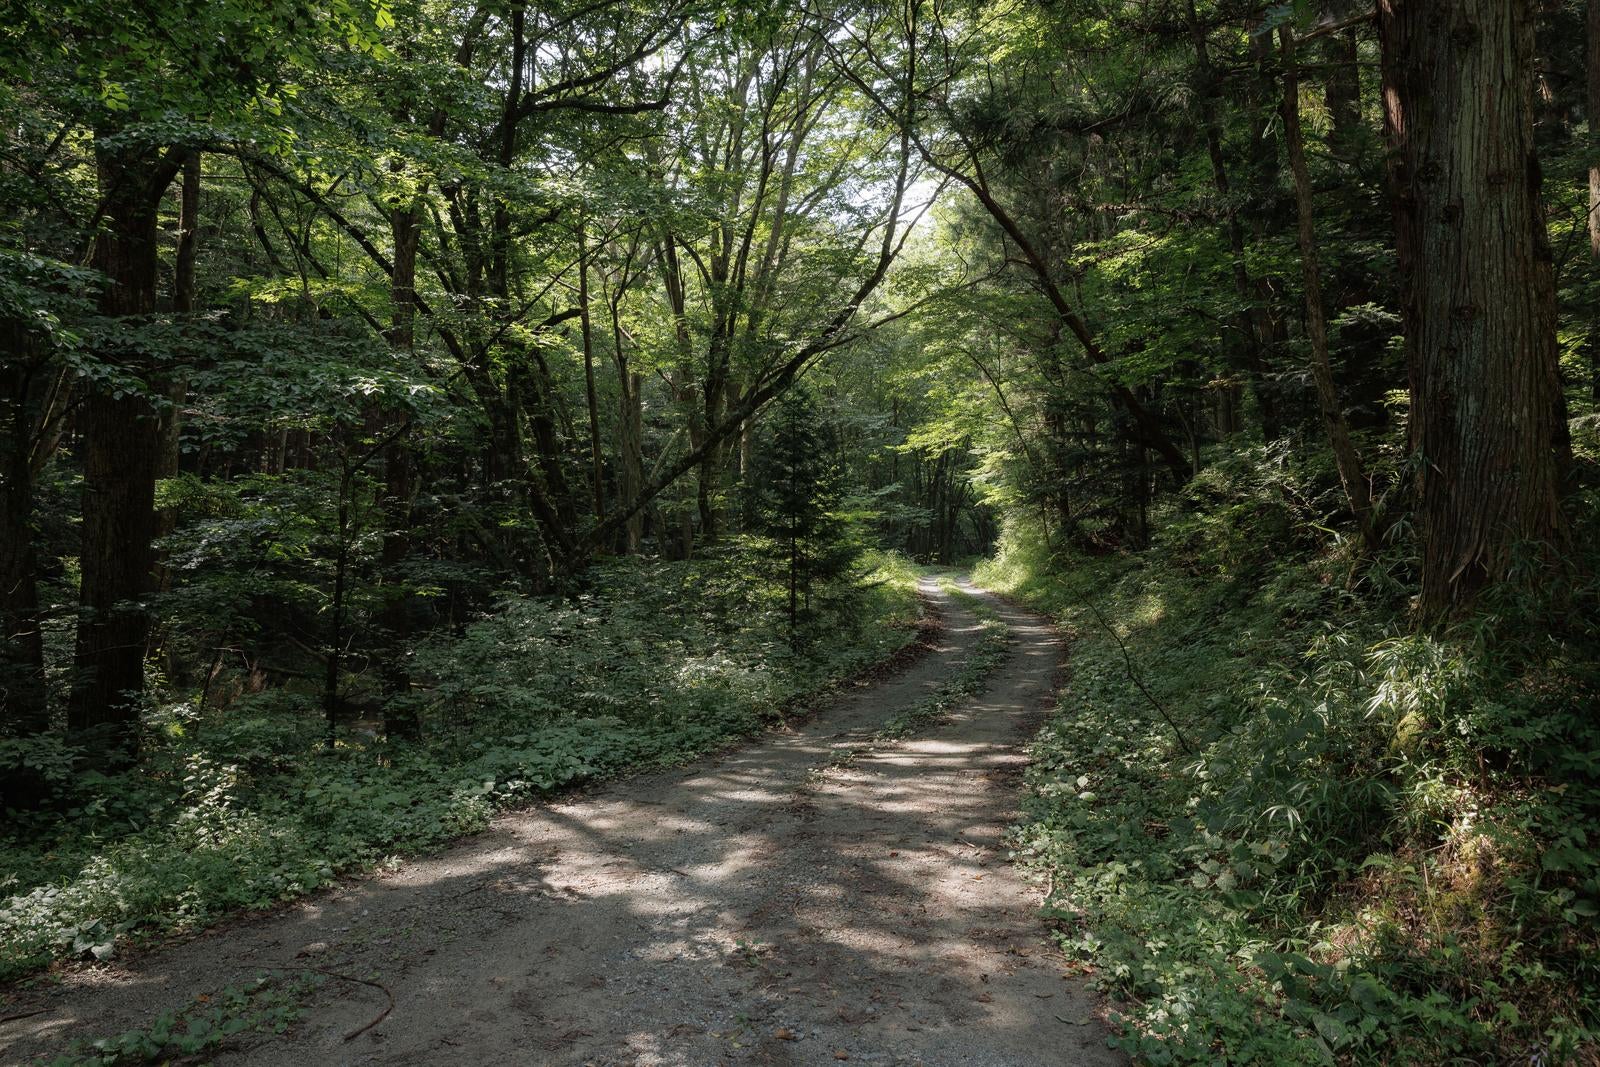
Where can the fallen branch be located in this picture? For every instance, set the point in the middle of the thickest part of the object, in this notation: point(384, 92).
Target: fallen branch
point(382, 1015)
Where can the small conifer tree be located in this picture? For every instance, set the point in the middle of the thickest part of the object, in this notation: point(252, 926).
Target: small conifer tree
point(798, 493)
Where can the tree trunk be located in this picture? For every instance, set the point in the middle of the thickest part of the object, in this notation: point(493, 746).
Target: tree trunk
point(632, 448)
point(708, 490)
point(559, 511)
point(1592, 110)
point(333, 664)
point(1341, 91)
point(1248, 329)
point(595, 467)
point(1488, 418)
point(1265, 210)
point(630, 430)
point(121, 457)
point(747, 474)
point(23, 709)
point(1351, 476)
point(794, 587)
point(399, 487)
point(176, 386)
point(183, 278)
point(1592, 151)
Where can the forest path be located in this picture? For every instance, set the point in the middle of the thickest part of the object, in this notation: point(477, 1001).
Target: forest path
point(768, 905)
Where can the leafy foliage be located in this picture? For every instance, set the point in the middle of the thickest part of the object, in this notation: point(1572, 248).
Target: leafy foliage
point(1375, 850)
point(461, 364)
point(244, 809)
point(267, 1004)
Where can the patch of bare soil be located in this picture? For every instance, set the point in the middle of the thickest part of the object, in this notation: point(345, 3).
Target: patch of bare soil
point(761, 907)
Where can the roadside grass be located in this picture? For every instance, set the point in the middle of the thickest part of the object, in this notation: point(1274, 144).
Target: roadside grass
point(266, 1005)
point(246, 808)
point(1379, 847)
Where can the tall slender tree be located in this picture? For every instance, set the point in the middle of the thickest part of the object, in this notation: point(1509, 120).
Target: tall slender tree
point(1351, 475)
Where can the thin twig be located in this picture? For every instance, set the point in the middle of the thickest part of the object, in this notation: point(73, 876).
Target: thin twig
point(22, 1015)
point(1133, 676)
point(382, 1015)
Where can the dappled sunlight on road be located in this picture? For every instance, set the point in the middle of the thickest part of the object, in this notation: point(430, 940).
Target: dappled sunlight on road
point(811, 894)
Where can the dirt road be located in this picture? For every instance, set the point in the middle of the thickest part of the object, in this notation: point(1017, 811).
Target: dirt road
point(763, 906)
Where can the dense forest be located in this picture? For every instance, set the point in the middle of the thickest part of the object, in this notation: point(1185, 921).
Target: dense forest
point(412, 410)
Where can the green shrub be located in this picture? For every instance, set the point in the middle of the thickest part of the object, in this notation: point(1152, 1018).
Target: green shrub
point(1377, 847)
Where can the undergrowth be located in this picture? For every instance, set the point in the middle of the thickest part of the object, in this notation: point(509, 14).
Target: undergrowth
point(267, 1004)
point(250, 807)
point(1378, 846)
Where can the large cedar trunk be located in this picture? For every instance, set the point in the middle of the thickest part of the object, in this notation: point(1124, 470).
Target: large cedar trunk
point(1592, 113)
point(1488, 418)
point(121, 456)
